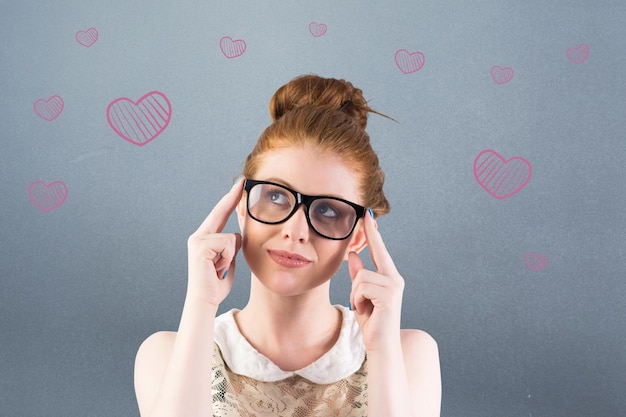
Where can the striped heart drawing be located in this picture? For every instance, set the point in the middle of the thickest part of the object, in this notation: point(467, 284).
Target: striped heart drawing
point(317, 29)
point(142, 121)
point(535, 261)
point(47, 197)
point(232, 48)
point(49, 109)
point(579, 54)
point(409, 62)
point(501, 75)
point(499, 177)
point(87, 37)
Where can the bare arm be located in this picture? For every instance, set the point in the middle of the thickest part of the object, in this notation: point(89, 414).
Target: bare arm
point(173, 374)
point(173, 370)
point(421, 358)
point(405, 380)
point(403, 365)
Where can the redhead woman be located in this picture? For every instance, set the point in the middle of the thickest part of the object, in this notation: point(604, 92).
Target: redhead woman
point(307, 201)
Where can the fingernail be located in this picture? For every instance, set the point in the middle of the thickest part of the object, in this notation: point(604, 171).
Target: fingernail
point(371, 212)
point(349, 306)
point(238, 179)
point(225, 274)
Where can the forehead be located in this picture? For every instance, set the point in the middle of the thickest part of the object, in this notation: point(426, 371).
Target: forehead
point(310, 171)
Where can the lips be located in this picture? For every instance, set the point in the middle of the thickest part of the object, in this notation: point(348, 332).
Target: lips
point(288, 259)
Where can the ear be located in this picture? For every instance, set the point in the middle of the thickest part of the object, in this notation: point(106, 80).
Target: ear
point(241, 211)
point(358, 240)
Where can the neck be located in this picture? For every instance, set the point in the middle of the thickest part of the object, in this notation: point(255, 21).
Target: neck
point(306, 325)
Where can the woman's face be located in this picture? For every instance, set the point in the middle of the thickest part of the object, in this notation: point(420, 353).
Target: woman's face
point(290, 258)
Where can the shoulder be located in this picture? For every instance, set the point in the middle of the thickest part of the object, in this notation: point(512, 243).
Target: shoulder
point(414, 340)
point(420, 349)
point(421, 359)
point(150, 362)
point(154, 352)
point(157, 345)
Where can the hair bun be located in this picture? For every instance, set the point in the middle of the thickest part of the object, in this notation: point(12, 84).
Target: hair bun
point(312, 90)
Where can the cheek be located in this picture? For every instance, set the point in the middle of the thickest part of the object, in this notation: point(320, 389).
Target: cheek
point(330, 254)
point(248, 241)
point(254, 237)
point(334, 255)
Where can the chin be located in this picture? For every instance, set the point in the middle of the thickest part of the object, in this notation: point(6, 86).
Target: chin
point(287, 281)
point(288, 284)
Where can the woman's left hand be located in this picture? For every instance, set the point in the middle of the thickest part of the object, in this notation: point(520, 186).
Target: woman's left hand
point(376, 297)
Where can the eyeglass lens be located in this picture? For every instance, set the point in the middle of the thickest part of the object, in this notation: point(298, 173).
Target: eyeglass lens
point(329, 217)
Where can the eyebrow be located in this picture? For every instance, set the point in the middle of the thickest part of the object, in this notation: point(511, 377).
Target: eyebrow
point(286, 184)
point(279, 181)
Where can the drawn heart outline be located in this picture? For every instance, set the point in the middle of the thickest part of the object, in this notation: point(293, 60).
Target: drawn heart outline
point(535, 261)
point(579, 54)
point(49, 109)
point(87, 37)
point(47, 197)
point(142, 121)
point(501, 75)
point(409, 62)
point(232, 48)
point(499, 177)
point(317, 29)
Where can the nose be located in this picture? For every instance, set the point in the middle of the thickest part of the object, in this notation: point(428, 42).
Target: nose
point(296, 227)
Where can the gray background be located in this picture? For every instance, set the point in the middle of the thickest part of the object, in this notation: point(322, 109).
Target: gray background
point(82, 285)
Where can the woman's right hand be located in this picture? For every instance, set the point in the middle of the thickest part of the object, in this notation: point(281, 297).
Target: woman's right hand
point(212, 254)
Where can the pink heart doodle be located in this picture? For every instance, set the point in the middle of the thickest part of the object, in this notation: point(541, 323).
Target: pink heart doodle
point(409, 62)
point(232, 48)
point(49, 109)
point(579, 54)
point(87, 37)
point(47, 197)
point(535, 261)
point(141, 121)
point(501, 75)
point(501, 178)
point(317, 30)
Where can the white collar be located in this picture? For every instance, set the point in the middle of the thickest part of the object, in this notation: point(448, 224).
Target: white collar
point(342, 360)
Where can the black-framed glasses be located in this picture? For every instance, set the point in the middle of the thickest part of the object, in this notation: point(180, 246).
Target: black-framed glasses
point(331, 217)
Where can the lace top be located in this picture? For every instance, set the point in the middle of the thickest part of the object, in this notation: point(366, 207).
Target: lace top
point(248, 384)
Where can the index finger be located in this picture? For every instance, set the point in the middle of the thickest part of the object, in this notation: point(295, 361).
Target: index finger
point(378, 251)
point(217, 218)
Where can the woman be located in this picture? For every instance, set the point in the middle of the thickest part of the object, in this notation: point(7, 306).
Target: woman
point(306, 202)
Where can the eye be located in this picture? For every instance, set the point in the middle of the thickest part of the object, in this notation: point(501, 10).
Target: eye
point(277, 196)
point(327, 211)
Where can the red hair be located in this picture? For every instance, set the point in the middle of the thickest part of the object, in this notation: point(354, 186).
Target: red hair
point(331, 115)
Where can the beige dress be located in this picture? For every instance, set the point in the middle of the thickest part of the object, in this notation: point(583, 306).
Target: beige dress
point(248, 384)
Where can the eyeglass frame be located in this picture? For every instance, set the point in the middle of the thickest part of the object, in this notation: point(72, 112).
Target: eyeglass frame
point(306, 200)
